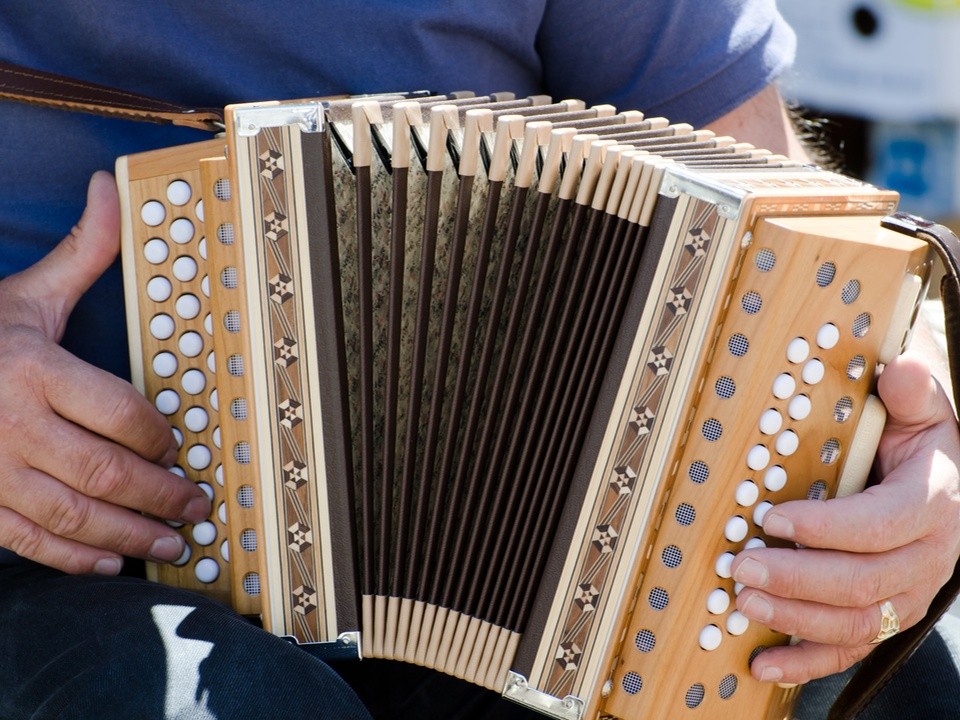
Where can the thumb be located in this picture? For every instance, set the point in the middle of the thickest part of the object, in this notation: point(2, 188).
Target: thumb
point(914, 399)
point(58, 280)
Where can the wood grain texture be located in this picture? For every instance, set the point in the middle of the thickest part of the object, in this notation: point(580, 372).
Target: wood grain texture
point(146, 178)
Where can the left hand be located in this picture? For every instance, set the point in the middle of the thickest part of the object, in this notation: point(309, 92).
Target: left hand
point(898, 540)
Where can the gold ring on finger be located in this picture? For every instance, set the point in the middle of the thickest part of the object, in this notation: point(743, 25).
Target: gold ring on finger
point(889, 622)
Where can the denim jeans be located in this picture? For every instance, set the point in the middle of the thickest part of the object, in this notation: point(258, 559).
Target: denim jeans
point(103, 648)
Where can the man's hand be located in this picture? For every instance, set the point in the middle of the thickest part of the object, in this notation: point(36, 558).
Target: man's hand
point(897, 541)
point(82, 454)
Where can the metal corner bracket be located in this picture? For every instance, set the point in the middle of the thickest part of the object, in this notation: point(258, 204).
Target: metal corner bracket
point(519, 691)
point(250, 121)
point(347, 645)
point(677, 180)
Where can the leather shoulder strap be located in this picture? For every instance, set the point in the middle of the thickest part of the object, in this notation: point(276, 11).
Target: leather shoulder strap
point(881, 665)
point(51, 90)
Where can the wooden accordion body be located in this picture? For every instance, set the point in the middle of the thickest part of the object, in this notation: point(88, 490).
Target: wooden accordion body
point(500, 386)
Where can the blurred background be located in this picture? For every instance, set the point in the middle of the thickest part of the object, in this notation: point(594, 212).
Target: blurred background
point(884, 77)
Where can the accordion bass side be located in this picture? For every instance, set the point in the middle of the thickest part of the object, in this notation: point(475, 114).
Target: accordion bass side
point(501, 386)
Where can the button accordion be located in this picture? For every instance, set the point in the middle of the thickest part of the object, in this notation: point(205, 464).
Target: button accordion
point(501, 386)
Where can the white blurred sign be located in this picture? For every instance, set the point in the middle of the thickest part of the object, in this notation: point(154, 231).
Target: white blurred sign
point(894, 60)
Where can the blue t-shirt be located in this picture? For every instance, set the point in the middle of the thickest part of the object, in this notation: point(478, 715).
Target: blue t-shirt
point(687, 60)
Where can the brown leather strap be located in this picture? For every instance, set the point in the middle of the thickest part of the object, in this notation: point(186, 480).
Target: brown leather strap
point(50, 90)
point(879, 667)
point(947, 247)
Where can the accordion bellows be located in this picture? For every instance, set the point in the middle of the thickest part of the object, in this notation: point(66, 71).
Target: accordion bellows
point(501, 386)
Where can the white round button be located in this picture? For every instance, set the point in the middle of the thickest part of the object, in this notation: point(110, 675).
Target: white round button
point(747, 493)
point(204, 533)
point(760, 512)
point(159, 288)
point(155, 251)
point(162, 326)
point(179, 192)
point(754, 543)
point(199, 210)
point(207, 570)
point(196, 419)
point(813, 372)
point(718, 601)
point(771, 421)
point(758, 457)
point(184, 556)
point(710, 637)
point(152, 213)
point(828, 336)
point(181, 231)
point(724, 564)
point(798, 350)
point(188, 306)
point(168, 402)
point(799, 407)
point(787, 443)
point(737, 623)
point(193, 381)
point(199, 457)
point(775, 478)
point(784, 386)
point(190, 344)
point(184, 268)
point(736, 529)
point(165, 364)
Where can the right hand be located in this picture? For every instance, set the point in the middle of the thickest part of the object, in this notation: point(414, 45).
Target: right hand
point(82, 454)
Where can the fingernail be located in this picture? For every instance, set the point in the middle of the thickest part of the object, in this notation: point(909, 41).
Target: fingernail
point(167, 549)
point(752, 572)
point(771, 674)
point(757, 608)
point(107, 566)
point(778, 526)
point(197, 510)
